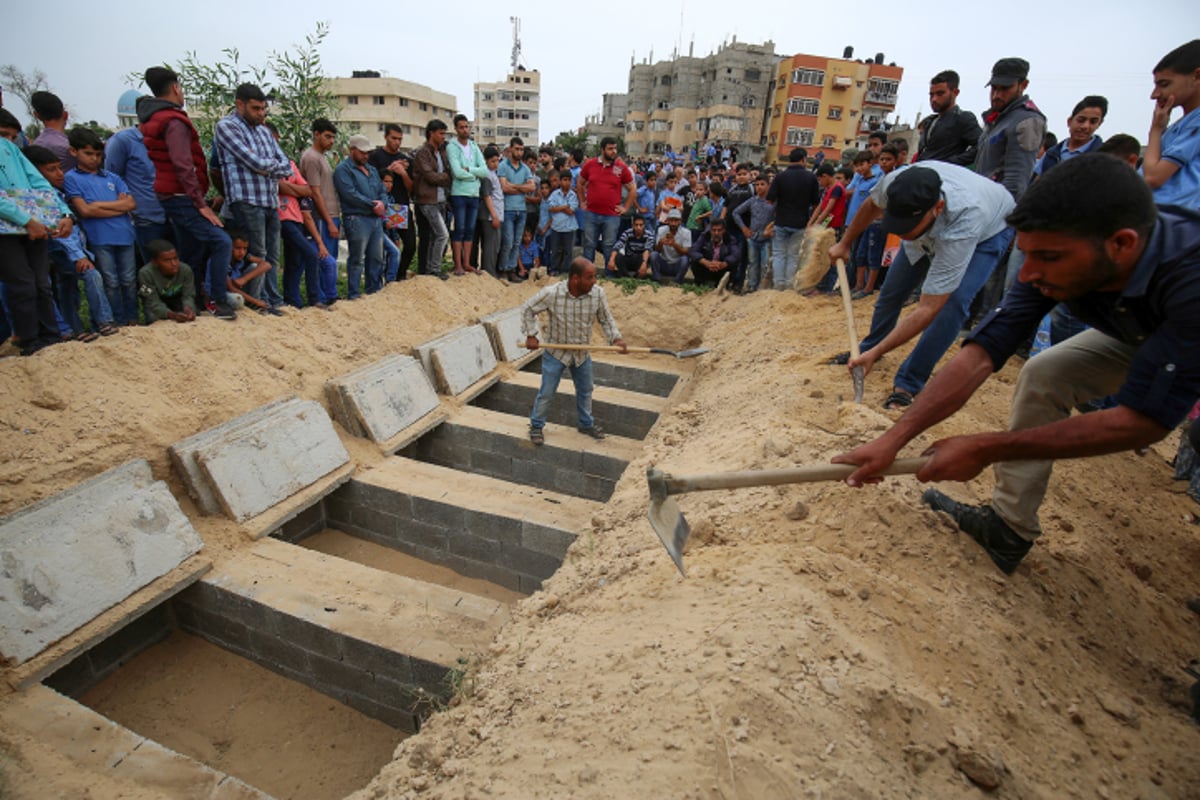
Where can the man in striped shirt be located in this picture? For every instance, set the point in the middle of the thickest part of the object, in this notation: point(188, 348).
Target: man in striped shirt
point(572, 306)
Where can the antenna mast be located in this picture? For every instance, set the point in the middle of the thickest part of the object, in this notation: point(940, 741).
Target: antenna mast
point(516, 48)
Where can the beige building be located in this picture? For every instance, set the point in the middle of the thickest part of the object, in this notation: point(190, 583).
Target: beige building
point(371, 100)
point(609, 122)
point(509, 108)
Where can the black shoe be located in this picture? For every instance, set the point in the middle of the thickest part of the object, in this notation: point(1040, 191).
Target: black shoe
point(224, 311)
point(983, 525)
point(595, 432)
point(841, 359)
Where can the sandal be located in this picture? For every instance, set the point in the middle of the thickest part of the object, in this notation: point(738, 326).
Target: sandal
point(841, 359)
point(536, 436)
point(897, 400)
point(108, 330)
point(86, 336)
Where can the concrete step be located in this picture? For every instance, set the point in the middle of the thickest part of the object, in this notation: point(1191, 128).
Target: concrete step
point(93, 743)
point(379, 642)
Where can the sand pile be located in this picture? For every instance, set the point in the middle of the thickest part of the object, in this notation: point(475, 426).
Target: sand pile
point(828, 642)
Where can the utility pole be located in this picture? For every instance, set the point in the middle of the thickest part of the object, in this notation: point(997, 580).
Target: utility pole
point(516, 48)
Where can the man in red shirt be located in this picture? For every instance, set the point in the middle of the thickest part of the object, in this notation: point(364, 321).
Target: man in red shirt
point(600, 184)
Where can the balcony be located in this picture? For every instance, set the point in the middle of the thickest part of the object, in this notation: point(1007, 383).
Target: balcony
point(881, 98)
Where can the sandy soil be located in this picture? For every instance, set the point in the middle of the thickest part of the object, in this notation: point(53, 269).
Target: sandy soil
point(828, 642)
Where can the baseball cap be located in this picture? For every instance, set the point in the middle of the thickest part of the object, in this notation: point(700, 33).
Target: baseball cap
point(912, 193)
point(1008, 71)
point(674, 213)
point(360, 142)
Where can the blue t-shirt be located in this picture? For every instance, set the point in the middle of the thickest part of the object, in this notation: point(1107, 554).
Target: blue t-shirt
point(125, 154)
point(99, 186)
point(528, 253)
point(1181, 145)
point(862, 189)
point(516, 176)
point(645, 199)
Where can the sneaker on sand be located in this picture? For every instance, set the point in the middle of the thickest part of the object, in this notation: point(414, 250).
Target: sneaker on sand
point(983, 525)
point(223, 311)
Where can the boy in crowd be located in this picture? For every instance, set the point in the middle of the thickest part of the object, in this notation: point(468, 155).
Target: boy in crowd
point(529, 255)
point(246, 276)
point(72, 263)
point(1124, 147)
point(1172, 161)
point(543, 223)
point(869, 250)
point(668, 198)
point(103, 202)
point(701, 210)
point(631, 255)
point(647, 199)
point(166, 286)
point(833, 203)
point(563, 223)
point(755, 217)
point(491, 213)
point(1087, 116)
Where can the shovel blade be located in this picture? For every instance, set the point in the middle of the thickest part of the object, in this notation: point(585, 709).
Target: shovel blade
point(672, 529)
point(860, 377)
point(698, 351)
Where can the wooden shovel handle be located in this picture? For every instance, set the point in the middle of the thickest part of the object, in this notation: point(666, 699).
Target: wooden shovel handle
point(777, 477)
point(841, 270)
point(603, 348)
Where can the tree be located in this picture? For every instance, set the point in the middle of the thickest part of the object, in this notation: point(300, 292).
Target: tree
point(23, 86)
point(569, 141)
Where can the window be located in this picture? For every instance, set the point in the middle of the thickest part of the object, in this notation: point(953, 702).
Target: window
point(749, 101)
point(687, 126)
point(827, 141)
point(487, 97)
point(809, 77)
point(753, 75)
point(665, 80)
point(664, 105)
point(774, 140)
point(487, 115)
point(882, 90)
point(422, 106)
point(377, 100)
point(658, 126)
point(381, 127)
point(352, 100)
point(487, 131)
point(799, 137)
point(803, 105)
point(835, 112)
point(404, 102)
point(525, 80)
point(778, 109)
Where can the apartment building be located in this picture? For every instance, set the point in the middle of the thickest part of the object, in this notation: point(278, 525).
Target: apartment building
point(370, 100)
point(509, 108)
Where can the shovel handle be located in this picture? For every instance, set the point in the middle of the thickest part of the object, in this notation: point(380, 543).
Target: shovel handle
point(603, 348)
point(777, 477)
point(841, 271)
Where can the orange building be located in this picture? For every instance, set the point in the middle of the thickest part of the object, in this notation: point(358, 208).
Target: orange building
point(829, 104)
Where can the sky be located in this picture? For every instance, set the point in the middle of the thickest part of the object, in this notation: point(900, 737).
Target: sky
point(584, 50)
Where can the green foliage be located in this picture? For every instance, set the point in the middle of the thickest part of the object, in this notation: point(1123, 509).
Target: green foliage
point(569, 141)
point(103, 131)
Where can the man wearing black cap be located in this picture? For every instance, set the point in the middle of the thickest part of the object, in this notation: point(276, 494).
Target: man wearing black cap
point(1012, 130)
point(952, 224)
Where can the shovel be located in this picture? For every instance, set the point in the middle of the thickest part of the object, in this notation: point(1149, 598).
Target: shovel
point(673, 530)
point(610, 348)
point(858, 373)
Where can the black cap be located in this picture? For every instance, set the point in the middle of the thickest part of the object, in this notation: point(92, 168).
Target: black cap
point(912, 193)
point(1009, 71)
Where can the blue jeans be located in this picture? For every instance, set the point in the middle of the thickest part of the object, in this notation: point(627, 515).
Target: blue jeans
point(868, 251)
point(786, 255)
point(299, 260)
point(262, 226)
point(756, 258)
point(329, 288)
point(552, 372)
point(607, 227)
point(510, 239)
point(391, 258)
point(203, 246)
point(118, 266)
point(146, 232)
point(364, 235)
point(67, 292)
point(465, 210)
point(903, 277)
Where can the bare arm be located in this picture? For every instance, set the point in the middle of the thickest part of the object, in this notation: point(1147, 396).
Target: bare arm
point(912, 325)
point(1155, 168)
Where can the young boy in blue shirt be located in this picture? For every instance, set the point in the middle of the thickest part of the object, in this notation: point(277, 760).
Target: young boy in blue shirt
point(869, 250)
point(1171, 164)
point(103, 202)
point(563, 224)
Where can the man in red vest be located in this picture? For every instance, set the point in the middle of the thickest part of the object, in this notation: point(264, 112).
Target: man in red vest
point(181, 183)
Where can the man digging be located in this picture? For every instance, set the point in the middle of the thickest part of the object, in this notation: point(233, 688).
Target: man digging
point(572, 306)
point(1094, 240)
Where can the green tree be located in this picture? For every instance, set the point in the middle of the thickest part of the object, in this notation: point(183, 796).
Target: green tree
point(569, 141)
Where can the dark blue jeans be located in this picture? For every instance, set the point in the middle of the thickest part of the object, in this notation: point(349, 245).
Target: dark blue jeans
point(66, 292)
point(203, 246)
point(607, 228)
point(300, 260)
point(465, 210)
point(118, 267)
point(364, 236)
point(902, 279)
point(511, 228)
point(552, 372)
point(262, 226)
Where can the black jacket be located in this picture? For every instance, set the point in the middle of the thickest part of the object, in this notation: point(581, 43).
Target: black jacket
point(954, 139)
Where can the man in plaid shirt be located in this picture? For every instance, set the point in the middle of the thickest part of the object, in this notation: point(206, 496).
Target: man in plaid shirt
point(251, 167)
point(572, 306)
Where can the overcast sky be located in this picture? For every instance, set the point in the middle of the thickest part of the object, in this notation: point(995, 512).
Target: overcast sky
point(583, 50)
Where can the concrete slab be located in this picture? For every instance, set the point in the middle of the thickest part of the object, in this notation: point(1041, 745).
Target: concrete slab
point(255, 466)
point(458, 360)
point(382, 401)
point(70, 557)
point(504, 329)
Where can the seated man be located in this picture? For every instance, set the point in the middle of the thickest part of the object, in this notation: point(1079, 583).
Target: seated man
point(631, 256)
point(714, 254)
point(669, 261)
point(166, 286)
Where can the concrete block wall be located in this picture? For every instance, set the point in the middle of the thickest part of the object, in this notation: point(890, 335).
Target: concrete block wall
point(309, 521)
point(392, 687)
point(559, 469)
point(617, 420)
point(92, 666)
point(514, 553)
point(618, 376)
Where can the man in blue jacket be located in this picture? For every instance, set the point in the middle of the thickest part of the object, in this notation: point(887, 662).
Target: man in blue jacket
point(361, 193)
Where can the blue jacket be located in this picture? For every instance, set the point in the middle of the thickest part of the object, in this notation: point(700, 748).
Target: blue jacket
point(357, 190)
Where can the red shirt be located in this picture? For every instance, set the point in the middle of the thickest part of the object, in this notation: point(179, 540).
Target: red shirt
point(604, 182)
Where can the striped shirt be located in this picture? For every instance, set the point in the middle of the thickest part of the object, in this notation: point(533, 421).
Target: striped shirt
point(251, 162)
point(571, 319)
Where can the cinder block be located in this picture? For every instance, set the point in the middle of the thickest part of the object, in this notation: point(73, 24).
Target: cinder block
point(441, 515)
point(379, 661)
point(484, 570)
point(271, 649)
point(381, 400)
point(471, 546)
point(493, 527)
point(399, 718)
point(504, 330)
point(498, 465)
point(70, 557)
point(603, 466)
point(422, 534)
point(543, 539)
point(528, 562)
point(374, 520)
point(458, 359)
point(268, 461)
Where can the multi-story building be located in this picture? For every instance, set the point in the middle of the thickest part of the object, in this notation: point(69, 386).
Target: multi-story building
point(509, 108)
point(829, 104)
point(689, 101)
point(370, 100)
point(609, 122)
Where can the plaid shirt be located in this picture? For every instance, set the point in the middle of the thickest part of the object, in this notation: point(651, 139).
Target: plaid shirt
point(251, 162)
point(571, 319)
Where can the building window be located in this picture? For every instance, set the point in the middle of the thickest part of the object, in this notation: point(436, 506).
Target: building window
point(377, 100)
point(882, 90)
point(804, 105)
point(487, 97)
point(487, 131)
point(404, 102)
point(665, 80)
point(799, 137)
point(753, 75)
point(827, 141)
point(774, 140)
point(487, 115)
point(778, 109)
point(809, 77)
point(352, 100)
point(687, 126)
point(835, 112)
point(749, 101)
point(663, 105)
point(381, 127)
point(422, 106)
point(525, 80)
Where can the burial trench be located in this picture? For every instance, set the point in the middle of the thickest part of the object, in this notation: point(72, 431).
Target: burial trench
point(294, 667)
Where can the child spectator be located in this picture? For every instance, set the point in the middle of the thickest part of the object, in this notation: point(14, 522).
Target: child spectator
point(647, 199)
point(246, 276)
point(868, 252)
point(701, 210)
point(756, 216)
point(668, 198)
point(73, 264)
point(1172, 161)
point(166, 286)
point(491, 212)
point(103, 202)
point(1124, 147)
point(529, 254)
point(563, 224)
point(631, 255)
point(543, 222)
